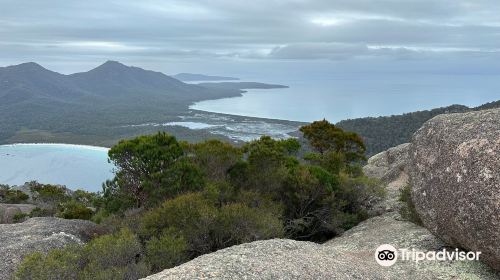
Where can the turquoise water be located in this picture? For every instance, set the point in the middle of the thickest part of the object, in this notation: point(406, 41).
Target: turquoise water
point(76, 166)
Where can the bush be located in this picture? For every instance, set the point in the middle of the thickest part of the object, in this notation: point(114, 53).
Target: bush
point(167, 251)
point(15, 197)
point(206, 228)
point(57, 264)
point(407, 210)
point(310, 204)
point(191, 214)
point(75, 210)
point(20, 217)
point(42, 212)
point(238, 223)
point(49, 194)
point(115, 256)
point(214, 158)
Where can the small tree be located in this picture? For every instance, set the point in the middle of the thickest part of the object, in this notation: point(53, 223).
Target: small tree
point(335, 146)
point(144, 164)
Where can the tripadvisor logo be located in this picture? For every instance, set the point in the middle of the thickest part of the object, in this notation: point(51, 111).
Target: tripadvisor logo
point(387, 255)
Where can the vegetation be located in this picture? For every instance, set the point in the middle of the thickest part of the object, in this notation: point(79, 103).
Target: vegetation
point(407, 210)
point(8, 195)
point(173, 201)
point(382, 133)
point(116, 256)
point(52, 200)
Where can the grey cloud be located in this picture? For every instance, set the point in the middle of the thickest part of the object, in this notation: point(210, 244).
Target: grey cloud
point(54, 31)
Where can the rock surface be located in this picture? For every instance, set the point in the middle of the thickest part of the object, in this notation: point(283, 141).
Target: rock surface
point(391, 167)
point(455, 178)
point(350, 256)
point(39, 235)
point(9, 211)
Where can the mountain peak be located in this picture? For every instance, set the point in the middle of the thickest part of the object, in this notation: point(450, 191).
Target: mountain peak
point(28, 66)
point(112, 64)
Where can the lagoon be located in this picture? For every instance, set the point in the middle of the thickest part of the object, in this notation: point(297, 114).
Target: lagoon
point(76, 166)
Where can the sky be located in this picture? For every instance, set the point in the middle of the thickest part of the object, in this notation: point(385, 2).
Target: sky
point(264, 37)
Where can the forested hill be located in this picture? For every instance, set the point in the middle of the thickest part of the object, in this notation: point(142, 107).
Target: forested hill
point(382, 133)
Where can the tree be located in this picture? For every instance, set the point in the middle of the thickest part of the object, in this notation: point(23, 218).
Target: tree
point(338, 149)
point(214, 158)
point(145, 165)
point(267, 163)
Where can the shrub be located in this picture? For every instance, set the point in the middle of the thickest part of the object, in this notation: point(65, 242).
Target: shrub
point(15, 197)
point(238, 223)
point(206, 228)
point(75, 210)
point(407, 210)
point(116, 256)
point(20, 217)
point(214, 158)
point(310, 205)
point(88, 199)
point(49, 194)
point(191, 214)
point(57, 264)
point(166, 251)
point(42, 212)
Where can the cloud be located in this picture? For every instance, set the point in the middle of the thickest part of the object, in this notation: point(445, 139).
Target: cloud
point(252, 30)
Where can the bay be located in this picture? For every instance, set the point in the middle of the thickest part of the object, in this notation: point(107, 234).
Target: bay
point(76, 166)
point(342, 97)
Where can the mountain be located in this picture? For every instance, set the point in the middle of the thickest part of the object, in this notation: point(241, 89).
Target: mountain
point(30, 81)
point(189, 77)
point(38, 101)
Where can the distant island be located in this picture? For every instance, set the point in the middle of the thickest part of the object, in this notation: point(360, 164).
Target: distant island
point(189, 77)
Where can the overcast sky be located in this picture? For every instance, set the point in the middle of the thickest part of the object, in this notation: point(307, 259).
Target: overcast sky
point(225, 36)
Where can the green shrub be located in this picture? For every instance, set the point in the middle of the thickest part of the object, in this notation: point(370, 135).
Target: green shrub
point(74, 210)
point(310, 204)
point(238, 223)
point(42, 212)
point(20, 217)
point(88, 199)
point(57, 264)
point(116, 256)
point(214, 158)
point(15, 197)
point(167, 251)
point(50, 194)
point(407, 210)
point(206, 228)
point(192, 214)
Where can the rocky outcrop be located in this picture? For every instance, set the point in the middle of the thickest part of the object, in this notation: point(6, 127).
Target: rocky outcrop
point(350, 256)
point(39, 235)
point(455, 177)
point(391, 167)
point(8, 212)
point(389, 164)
